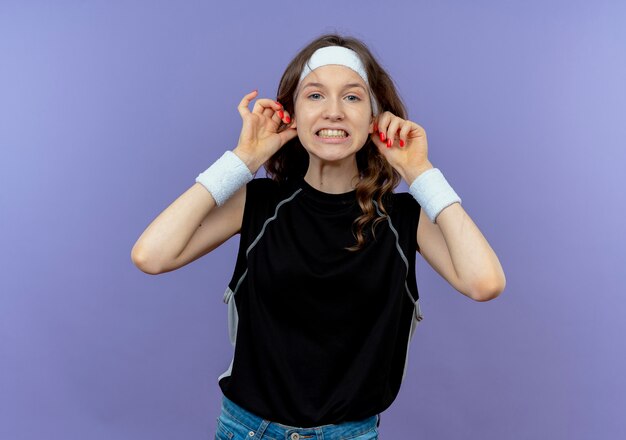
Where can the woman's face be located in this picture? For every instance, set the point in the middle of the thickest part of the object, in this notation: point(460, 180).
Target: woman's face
point(333, 97)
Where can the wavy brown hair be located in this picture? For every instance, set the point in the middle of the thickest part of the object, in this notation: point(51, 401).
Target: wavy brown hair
point(378, 178)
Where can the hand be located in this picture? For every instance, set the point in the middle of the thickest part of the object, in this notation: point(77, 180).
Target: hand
point(260, 137)
point(403, 143)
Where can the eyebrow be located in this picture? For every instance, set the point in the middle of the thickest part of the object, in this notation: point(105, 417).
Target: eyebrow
point(320, 85)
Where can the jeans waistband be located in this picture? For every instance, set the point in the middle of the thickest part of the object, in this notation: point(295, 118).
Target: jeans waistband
point(261, 426)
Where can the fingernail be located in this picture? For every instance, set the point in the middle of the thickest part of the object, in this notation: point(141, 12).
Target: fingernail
point(288, 119)
point(382, 136)
point(279, 103)
point(389, 143)
point(281, 114)
point(401, 143)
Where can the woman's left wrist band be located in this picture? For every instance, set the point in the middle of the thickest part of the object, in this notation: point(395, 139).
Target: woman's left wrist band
point(433, 192)
point(225, 177)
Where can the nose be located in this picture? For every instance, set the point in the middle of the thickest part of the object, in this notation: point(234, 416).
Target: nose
point(333, 110)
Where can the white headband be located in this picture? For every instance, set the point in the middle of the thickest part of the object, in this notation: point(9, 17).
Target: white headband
point(342, 56)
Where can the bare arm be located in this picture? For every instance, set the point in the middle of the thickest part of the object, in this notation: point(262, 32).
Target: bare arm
point(458, 251)
point(189, 228)
point(453, 246)
point(193, 225)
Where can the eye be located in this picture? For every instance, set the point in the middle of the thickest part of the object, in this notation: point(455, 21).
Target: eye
point(354, 96)
point(314, 94)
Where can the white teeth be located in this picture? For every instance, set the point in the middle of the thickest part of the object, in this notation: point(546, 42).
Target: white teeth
point(332, 133)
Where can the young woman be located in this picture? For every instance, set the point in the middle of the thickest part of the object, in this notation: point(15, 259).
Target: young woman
point(323, 300)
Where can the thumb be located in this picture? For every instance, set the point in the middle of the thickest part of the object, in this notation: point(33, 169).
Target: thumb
point(287, 135)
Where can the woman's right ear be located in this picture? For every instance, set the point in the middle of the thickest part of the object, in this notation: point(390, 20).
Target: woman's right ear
point(293, 122)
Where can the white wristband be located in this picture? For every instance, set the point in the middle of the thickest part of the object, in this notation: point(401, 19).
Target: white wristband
point(433, 192)
point(225, 177)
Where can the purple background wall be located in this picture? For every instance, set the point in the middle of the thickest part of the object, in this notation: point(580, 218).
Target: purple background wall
point(109, 110)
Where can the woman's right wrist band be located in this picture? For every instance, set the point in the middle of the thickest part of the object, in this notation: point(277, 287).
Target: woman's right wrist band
point(433, 192)
point(225, 177)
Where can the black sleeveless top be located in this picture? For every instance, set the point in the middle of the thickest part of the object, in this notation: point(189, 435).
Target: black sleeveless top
point(321, 334)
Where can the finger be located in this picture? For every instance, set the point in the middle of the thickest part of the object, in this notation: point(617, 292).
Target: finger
point(384, 127)
point(381, 146)
point(261, 104)
point(383, 123)
point(286, 117)
point(283, 116)
point(277, 116)
point(392, 130)
point(269, 113)
point(243, 108)
point(404, 133)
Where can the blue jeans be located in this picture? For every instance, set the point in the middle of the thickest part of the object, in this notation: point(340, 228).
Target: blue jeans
point(236, 423)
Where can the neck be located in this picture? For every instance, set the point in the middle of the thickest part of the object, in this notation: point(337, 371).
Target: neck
point(332, 177)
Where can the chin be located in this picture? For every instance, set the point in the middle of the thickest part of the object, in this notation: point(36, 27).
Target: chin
point(332, 156)
point(332, 153)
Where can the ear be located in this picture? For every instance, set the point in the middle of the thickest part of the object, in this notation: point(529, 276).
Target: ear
point(372, 124)
point(293, 122)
